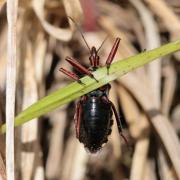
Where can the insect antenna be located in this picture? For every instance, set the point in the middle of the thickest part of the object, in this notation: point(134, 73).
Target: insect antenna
point(77, 26)
point(102, 43)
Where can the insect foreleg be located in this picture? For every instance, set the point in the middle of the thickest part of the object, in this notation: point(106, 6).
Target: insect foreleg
point(112, 54)
point(80, 67)
point(118, 120)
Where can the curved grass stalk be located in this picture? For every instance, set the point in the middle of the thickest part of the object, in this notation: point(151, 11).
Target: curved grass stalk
point(75, 90)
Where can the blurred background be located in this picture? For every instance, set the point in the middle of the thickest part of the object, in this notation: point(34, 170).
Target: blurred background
point(147, 99)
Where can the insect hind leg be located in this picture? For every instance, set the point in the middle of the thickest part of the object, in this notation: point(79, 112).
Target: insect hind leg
point(118, 120)
point(71, 75)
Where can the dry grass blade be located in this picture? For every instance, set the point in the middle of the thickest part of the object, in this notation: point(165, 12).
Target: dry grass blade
point(126, 48)
point(73, 9)
point(154, 74)
point(152, 41)
point(29, 131)
point(166, 172)
point(2, 2)
point(12, 6)
point(53, 163)
point(78, 170)
point(147, 99)
point(3, 53)
point(160, 123)
point(139, 129)
point(138, 126)
point(64, 34)
point(139, 159)
point(69, 157)
point(175, 118)
point(168, 17)
point(169, 88)
point(2, 146)
point(2, 169)
point(115, 134)
point(149, 171)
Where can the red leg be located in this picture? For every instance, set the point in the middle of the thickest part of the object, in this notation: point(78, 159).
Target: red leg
point(112, 54)
point(119, 124)
point(118, 120)
point(71, 75)
point(77, 116)
point(80, 67)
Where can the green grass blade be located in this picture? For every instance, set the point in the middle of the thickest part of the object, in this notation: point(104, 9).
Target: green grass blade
point(75, 90)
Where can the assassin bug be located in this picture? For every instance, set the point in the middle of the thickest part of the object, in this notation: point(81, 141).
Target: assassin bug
point(93, 114)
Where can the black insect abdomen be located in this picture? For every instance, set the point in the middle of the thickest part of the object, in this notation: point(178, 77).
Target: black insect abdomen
point(95, 123)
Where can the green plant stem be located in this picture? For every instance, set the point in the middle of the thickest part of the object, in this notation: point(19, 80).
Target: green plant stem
point(75, 90)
